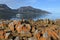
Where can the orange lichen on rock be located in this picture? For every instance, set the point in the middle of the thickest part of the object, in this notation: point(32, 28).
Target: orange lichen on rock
point(42, 38)
point(11, 26)
point(30, 30)
point(1, 34)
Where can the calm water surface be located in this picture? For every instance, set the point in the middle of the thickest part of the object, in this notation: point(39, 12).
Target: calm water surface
point(51, 16)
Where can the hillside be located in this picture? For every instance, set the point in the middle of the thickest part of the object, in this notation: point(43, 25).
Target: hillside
point(30, 12)
point(5, 12)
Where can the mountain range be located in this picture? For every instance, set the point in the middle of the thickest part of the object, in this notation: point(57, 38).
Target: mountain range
point(26, 11)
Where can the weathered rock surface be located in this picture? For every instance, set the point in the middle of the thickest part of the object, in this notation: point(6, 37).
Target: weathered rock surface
point(22, 30)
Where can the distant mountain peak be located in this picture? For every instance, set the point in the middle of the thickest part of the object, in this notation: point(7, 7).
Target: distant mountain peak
point(29, 9)
point(26, 6)
point(4, 6)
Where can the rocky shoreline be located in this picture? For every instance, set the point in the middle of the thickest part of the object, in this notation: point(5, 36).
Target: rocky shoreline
point(30, 30)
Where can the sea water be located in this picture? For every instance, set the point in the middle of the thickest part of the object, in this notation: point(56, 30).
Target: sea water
point(52, 16)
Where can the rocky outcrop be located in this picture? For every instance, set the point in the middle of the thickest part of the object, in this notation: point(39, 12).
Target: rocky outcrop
point(22, 30)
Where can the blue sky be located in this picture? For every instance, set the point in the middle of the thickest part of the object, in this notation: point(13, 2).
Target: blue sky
point(48, 5)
